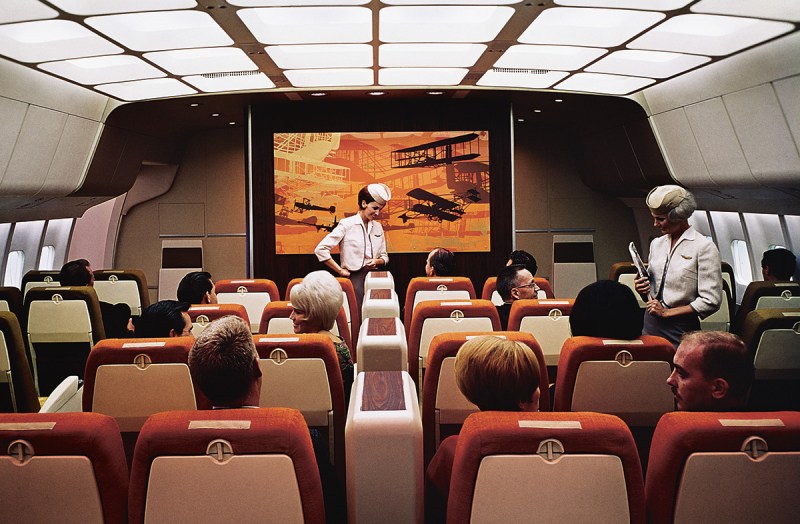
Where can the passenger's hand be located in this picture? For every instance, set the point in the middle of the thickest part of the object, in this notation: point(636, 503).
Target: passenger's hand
point(344, 273)
point(642, 285)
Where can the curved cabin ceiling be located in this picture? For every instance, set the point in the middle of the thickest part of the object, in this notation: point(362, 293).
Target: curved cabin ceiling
point(149, 49)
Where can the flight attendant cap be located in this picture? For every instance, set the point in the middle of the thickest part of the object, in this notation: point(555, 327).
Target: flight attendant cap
point(664, 198)
point(380, 192)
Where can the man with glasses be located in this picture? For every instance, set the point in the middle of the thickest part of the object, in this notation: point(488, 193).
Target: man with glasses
point(514, 282)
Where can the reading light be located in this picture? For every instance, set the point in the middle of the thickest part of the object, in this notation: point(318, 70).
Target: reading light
point(214, 115)
point(376, 93)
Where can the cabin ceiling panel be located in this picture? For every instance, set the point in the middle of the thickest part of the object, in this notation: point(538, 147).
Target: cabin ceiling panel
point(681, 151)
point(764, 134)
point(34, 151)
point(35, 33)
point(13, 115)
point(72, 155)
point(716, 138)
point(788, 92)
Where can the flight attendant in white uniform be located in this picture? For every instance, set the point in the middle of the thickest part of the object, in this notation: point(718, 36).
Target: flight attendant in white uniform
point(361, 241)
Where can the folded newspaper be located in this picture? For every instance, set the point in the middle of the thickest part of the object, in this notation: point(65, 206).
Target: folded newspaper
point(640, 267)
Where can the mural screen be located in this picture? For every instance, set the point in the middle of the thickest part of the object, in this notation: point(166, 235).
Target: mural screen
point(440, 184)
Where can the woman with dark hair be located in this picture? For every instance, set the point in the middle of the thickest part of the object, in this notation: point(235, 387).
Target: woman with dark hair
point(362, 244)
point(606, 309)
point(684, 281)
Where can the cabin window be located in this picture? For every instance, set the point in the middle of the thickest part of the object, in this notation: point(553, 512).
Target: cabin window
point(14, 269)
point(741, 262)
point(47, 257)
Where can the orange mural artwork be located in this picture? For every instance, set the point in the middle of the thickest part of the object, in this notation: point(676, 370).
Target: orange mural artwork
point(439, 181)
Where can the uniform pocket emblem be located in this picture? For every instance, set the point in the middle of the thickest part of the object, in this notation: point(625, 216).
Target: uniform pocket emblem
point(685, 257)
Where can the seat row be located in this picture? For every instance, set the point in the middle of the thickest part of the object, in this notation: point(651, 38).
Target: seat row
point(258, 465)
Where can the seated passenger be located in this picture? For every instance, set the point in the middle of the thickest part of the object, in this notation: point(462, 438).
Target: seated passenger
point(514, 282)
point(496, 375)
point(606, 309)
point(224, 364)
point(524, 258)
point(316, 302)
point(778, 264)
point(441, 263)
point(163, 319)
point(115, 316)
point(197, 288)
point(712, 372)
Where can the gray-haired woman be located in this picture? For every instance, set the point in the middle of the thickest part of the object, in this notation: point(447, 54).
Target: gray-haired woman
point(685, 279)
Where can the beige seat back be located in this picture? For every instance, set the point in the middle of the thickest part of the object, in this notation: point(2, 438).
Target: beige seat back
point(246, 488)
point(778, 354)
point(637, 392)
point(720, 320)
point(5, 370)
point(446, 294)
point(452, 407)
point(627, 279)
point(562, 492)
point(115, 291)
point(714, 484)
point(130, 393)
point(434, 326)
point(253, 301)
point(66, 321)
point(550, 332)
point(779, 302)
point(279, 388)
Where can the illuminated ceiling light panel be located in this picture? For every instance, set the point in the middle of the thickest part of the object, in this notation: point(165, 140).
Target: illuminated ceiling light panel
point(588, 27)
point(564, 58)
point(309, 25)
point(605, 84)
point(450, 2)
point(330, 77)
point(103, 69)
point(709, 34)
point(442, 23)
point(524, 80)
point(650, 5)
point(421, 76)
point(294, 3)
point(107, 7)
point(221, 82)
point(321, 56)
point(653, 64)
point(205, 60)
point(162, 30)
point(429, 55)
point(777, 9)
point(25, 10)
point(48, 40)
point(146, 89)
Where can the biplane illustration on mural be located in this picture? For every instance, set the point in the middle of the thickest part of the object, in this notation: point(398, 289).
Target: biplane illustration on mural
point(305, 204)
point(432, 206)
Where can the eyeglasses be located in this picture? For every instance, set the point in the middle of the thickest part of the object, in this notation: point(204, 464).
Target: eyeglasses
point(532, 286)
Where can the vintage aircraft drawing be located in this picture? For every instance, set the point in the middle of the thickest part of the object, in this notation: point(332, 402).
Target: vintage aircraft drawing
point(432, 206)
point(327, 227)
point(306, 205)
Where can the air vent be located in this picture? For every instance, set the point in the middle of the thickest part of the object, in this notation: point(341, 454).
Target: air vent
point(231, 74)
point(517, 70)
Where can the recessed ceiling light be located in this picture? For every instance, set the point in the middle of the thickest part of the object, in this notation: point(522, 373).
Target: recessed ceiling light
point(520, 119)
point(435, 93)
point(424, 76)
point(497, 78)
point(203, 60)
point(429, 55)
point(777, 9)
point(25, 10)
point(553, 57)
point(103, 69)
point(537, 110)
point(48, 40)
point(437, 23)
point(330, 77)
point(309, 25)
point(215, 115)
point(376, 93)
point(653, 64)
point(602, 83)
point(321, 56)
point(318, 93)
point(106, 7)
point(653, 5)
point(218, 82)
point(559, 100)
point(232, 123)
point(194, 104)
point(146, 89)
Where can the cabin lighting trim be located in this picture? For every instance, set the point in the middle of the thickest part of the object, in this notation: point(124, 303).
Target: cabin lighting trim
point(494, 78)
point(410, 76)
point(709, 34)
point(156, 31)
point(653, 64)
point(603, 83)
point(556, 57)
point(654, 5)
point(106, 7)
point(330, 77)
point(775, 9)
point(49, 40)
point(450, 2)
point(309, 25)
point(429, 55)
point(202, 61)
point(588, 27)
point(103, 69)
point(299, 3)
point(321, 56)
point(236, 81)
point(146, 89)
point(466, 24)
